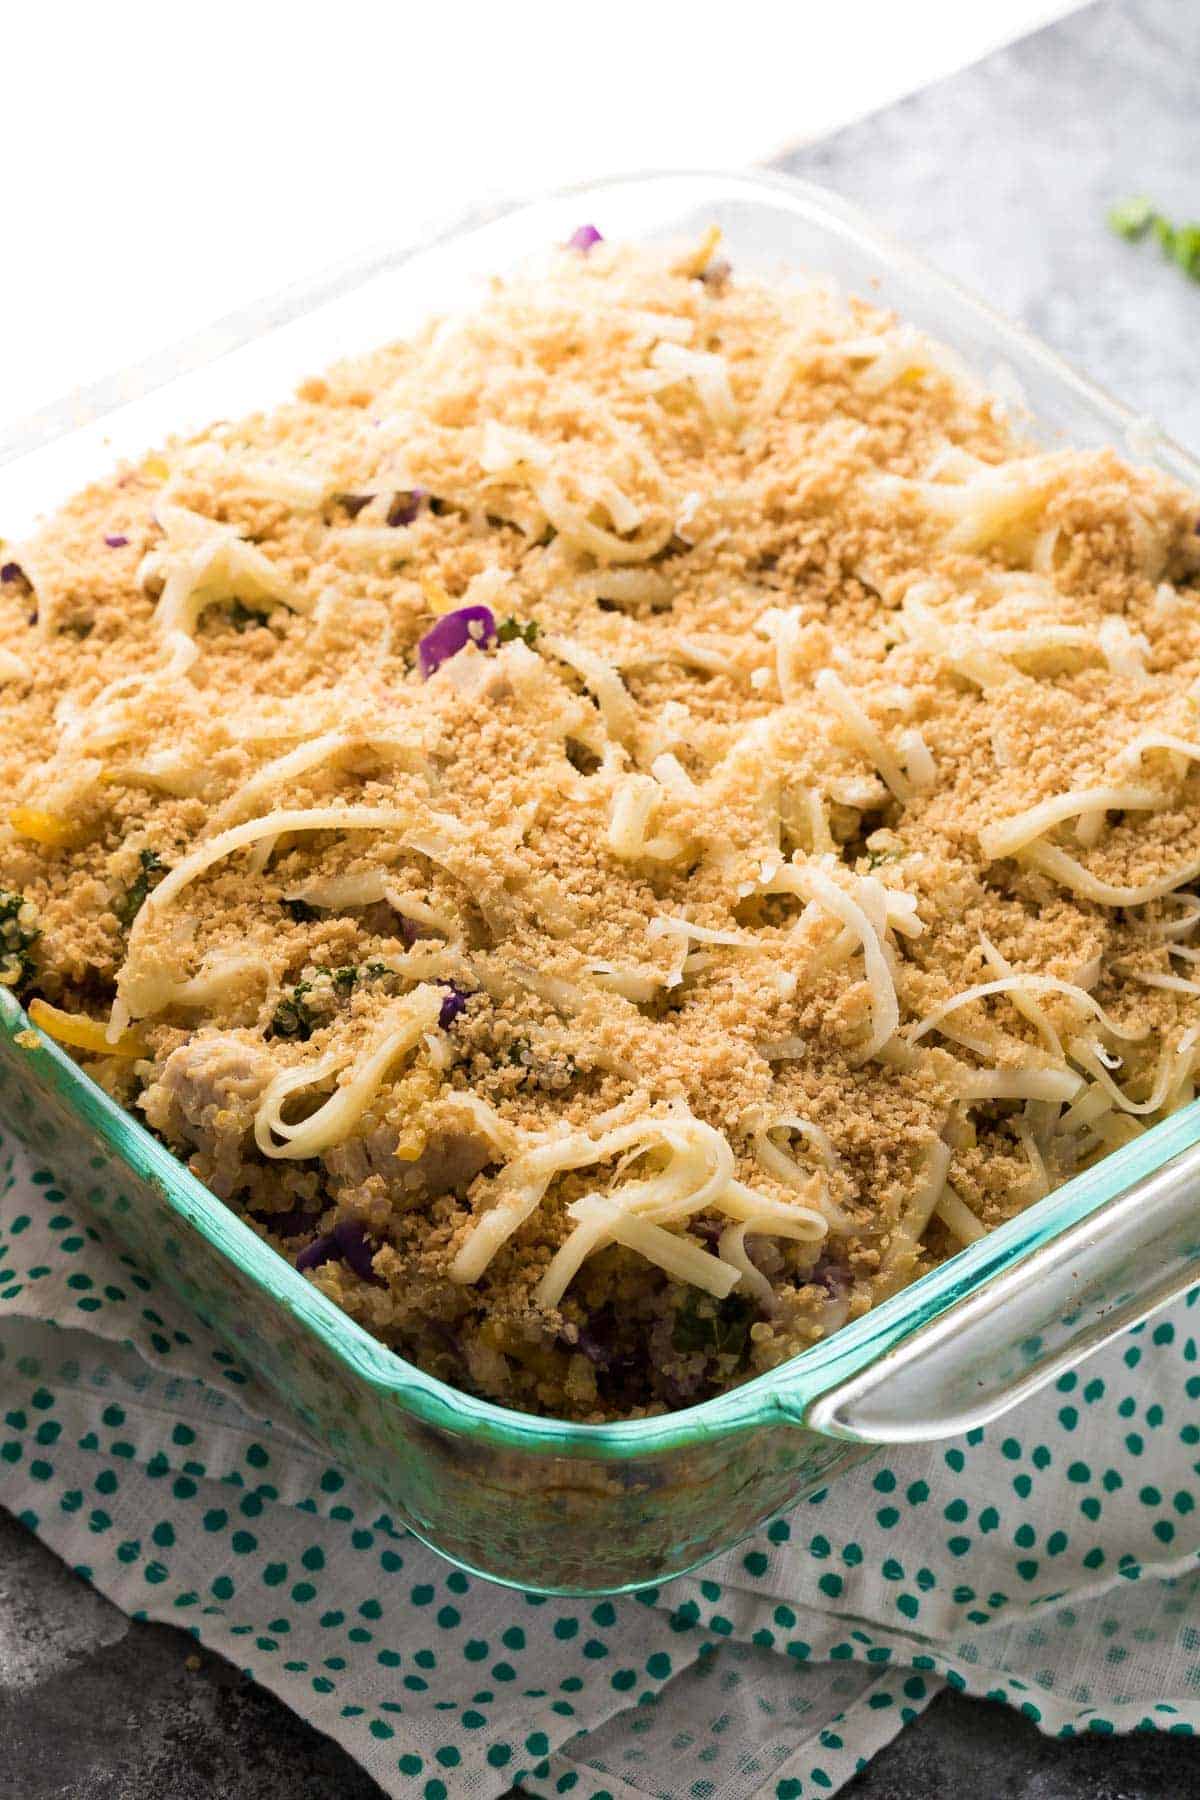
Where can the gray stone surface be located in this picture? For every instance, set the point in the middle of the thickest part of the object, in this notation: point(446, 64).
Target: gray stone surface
point(1002, 175)
point(96, 1707)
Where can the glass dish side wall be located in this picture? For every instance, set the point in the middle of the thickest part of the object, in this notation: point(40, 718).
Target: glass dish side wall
point(527, 1513)
point(534, 1502)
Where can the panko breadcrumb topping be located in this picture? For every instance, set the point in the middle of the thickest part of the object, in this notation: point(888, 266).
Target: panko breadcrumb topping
point(620, 831)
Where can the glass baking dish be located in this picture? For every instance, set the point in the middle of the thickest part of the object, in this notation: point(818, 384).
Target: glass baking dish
point(541, 1504)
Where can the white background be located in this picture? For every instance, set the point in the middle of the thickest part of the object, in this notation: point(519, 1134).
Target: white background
point(165, 164)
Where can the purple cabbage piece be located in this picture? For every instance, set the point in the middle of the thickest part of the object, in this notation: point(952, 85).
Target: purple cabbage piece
point(681, 1390)
point(354, 503)
point(452, 633)
point(355, 1248)
point(405, 506)
point(12, 572)
point(598, 1353)
point(411, 931)
point(584, 237)
point(597, 1341)
point(707, 1229)
point(832, 1274)
point(115, 541)
point(454, 1003)
point(347, 1243)
point(314, 1254)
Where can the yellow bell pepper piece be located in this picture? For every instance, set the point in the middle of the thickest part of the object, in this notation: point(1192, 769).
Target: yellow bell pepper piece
point(439, 600)
point(697, 260)
point(50, 828)
point(83, 1033)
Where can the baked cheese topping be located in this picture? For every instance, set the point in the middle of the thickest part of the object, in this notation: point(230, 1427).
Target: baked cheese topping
point(621, 830)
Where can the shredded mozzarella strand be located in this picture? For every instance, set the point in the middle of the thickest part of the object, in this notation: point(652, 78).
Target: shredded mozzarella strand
point(291, 486)
point(1018, 1084)
point(708, 374)
point(1010, 835)
point(777, 1162)
point(920, 1206)
point(601, 680)
point(699, 1165)
point(404, 1027)
point(813, 882)
point(1123, 650)
point(834, 690)
point(317, 818)
point(957, 1216)
point(1174, 1060)
point(1011, 984)
point(635, 800)
point(578, 530)
point(1070, 873)
point(203, 562)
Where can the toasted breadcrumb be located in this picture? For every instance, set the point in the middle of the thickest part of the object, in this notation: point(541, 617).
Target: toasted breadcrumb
point(673, 865)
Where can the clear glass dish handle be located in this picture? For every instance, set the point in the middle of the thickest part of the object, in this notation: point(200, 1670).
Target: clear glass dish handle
point(988, 1351)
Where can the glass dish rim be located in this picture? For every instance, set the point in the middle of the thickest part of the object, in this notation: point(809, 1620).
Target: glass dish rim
point(781, 1395)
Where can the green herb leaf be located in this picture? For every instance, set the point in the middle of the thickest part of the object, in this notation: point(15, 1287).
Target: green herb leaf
point(131, 902)
point(1132, 219)
point(511, 628)
point(346, 979)
point(714, 1327)
point(293, 1017)
point(549, 1073)
point(243, 617)
point(1135, 219)
point(19, 929)
point(1185, 249)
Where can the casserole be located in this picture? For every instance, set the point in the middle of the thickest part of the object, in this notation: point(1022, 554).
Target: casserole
point(595, 1508)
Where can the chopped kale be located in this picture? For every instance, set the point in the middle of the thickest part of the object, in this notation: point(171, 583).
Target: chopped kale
point(243, 617)
point(1132, 219)
point(18, 931)
point(293, 1017)
point(153, 868)
point(716, 1327)
point(1182, 244)
point(1136, 219)
point(550, 1073)
point(349, 975)
point(521, 1053)
point(526, 630)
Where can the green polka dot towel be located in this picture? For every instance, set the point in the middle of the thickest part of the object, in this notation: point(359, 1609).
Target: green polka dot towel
point(1050, 1562)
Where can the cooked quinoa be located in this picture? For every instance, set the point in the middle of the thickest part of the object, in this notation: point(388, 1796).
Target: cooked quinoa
point(620, 831)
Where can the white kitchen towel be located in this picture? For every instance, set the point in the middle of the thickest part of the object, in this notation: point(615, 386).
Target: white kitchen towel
point(1050, 1562)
